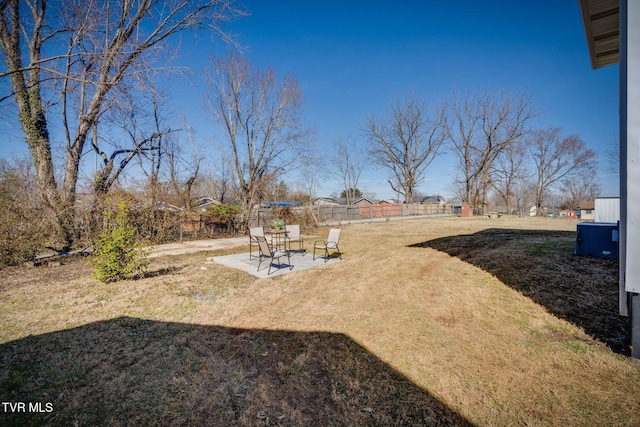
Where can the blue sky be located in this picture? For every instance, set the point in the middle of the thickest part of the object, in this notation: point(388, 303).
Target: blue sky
point(352, 57)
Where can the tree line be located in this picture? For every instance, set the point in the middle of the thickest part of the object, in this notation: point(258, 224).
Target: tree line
point(92, 72)
point(501, 158)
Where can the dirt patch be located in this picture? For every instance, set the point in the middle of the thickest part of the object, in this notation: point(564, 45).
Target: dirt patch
point(63, 270)
point(188, 247)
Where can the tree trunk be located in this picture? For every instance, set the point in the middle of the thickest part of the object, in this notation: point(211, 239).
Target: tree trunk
point(101, 186)
point(38, 140)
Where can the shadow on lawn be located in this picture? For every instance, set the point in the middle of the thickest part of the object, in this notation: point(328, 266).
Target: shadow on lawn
point(540, 264)
point(130, 371)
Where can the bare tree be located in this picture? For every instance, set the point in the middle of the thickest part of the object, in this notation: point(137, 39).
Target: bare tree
point(508, 171)
point(277, 191)
point(347, 164)
point(130, 135)
point(613, 157)
point(220, 184)
point(261, 116)
point(148, 117)
point(481, 127)
point(556, 159)
point(575, 191)
point(183, 168)
point(312, 172)
point(75, 53)
point(524, 197)
point(406, 142)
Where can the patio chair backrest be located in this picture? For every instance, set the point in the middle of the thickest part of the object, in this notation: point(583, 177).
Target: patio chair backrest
point(256, 231)
point(265, 250)
point(293, 231)
point(334, 236)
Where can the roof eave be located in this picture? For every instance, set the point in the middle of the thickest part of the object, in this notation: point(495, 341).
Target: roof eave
point(601, 20)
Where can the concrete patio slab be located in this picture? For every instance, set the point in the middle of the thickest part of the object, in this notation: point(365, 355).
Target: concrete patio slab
point(298, 261)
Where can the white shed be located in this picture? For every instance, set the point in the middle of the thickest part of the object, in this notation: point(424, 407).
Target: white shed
point(607, 209)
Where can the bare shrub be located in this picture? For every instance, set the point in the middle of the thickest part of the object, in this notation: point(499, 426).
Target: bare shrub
point(154, 223)
point(25, 226)
point(290, 216)
point(222, 218)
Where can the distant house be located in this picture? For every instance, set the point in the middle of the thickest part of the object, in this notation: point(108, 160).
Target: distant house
point(341, 201)
point(587, 210)
point(568, 213)
point(281, 204)
point(533, 211)
point(203, 203)
point(327, 201)
point(363, 201)
point(430, 200)
point(162, 206)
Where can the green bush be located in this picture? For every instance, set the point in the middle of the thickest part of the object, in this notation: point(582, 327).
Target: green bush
point(222, 218)
point(223, 213)
point(118, 252)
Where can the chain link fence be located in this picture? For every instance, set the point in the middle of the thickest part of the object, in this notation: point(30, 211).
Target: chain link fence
point(331, 214)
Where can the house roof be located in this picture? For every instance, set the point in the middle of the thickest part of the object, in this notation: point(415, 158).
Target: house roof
point(162, 206)
point(281, 204)
point(428, 199)
point(601, 19)
point(588, 205)
point(203, 203)
point(365, 199)
point(343, 201)
point(328, 199)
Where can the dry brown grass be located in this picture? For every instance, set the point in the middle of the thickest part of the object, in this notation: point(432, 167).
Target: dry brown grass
point(427, 322)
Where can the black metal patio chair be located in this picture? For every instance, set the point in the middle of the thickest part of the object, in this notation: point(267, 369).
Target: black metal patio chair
point(274, 255)
point(326, 245)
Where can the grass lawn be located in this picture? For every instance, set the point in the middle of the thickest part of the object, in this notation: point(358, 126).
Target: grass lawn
point(443, 321)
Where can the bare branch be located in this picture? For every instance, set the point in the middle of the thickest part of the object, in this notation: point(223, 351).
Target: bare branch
point(481, 127)
point(261, 117)
point(347, 164)
point(406, 142)
point(84, 51)
point(556, 159)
